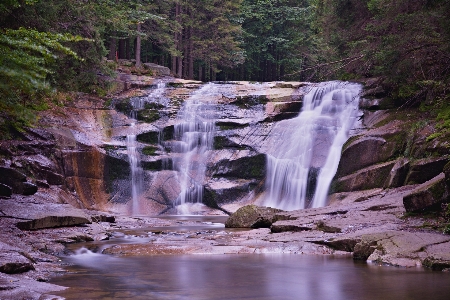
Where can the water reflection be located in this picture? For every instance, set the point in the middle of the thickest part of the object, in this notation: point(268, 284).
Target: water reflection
point(245, 277)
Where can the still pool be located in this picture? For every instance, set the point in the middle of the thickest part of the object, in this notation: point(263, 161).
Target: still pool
point(238, 276)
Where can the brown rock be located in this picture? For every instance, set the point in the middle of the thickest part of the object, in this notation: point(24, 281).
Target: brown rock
point(364, 152)
point(252, 216)
point(425, 169)
point(427, 195)
point(16, 267)
point(398, 174)
point(365, 179)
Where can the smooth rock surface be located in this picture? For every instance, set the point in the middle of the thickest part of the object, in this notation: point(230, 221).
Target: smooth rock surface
point(427, 195)
point(252, 216)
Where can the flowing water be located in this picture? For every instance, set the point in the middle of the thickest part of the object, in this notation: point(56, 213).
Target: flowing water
point(306, 150)
point(239, 276)
point(194, 133)
point(155, 96)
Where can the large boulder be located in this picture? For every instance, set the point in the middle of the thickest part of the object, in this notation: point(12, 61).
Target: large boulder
point(363, 152)
point(252, 216)
point(33, 216)
point(398, 173)
point(365, 179)
point(425, 169)
point(157, 70)
point(17, 181)
point(249, 167)
point(427, 195)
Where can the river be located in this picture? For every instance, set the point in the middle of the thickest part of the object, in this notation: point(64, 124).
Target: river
point(94, 275)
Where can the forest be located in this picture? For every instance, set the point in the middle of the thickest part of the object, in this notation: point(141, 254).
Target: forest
point(51, 47)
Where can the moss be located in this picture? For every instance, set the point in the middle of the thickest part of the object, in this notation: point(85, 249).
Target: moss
point(148, 115)
point(175, 84)
point(349, 141)
point(114, 169)
point(151, 137)
point(149, 150)
point(153, 105)
point(124, 106)
point(248, 101)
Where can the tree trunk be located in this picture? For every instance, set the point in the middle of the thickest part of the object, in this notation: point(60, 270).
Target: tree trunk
point(138, 47)
point(191, 56)
point(112, 49)
point(178, 12)
point(200, 69)
point(122, 54)
point(128, 48)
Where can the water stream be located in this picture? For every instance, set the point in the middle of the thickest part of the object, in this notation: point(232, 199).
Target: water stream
point(306, 150)
point(238, 276)
point(137, 173)
point(194, 133)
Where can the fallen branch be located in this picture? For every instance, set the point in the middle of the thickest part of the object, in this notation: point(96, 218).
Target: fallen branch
point(350, 59)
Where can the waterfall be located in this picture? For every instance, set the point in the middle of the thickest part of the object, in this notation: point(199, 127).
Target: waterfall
point(194, 132)
point(305, 151)
point(155, 96)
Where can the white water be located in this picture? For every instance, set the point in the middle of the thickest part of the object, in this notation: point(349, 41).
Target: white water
point(306, 150)
point(137, 173)
point(194, 133)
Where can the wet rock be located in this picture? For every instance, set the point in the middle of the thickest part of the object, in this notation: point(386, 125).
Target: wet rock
point(322, 226)
point(5, 190)
point(251, 166)
point(252, 216)
point(363, 152)
point(365, 179)
point(344, 244)
point(27, 189)
point(427, 195)
point(16, 267)
point(364, 249)
point(33, 216)
point(398, 174)
point(12, 178)
point(42, 184)
point(53, 178)
point(278, 227)
point(222, 191)
point(103, 218)
point(150, 137)
point(425, 169)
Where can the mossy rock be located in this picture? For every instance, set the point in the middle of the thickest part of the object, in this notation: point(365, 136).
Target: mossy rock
point(148, 115)
point(248, 101)
point(246, 167)
point(151, 137)
point(149, 150)
point(428, 195)
point(252, 216)
point(124, 106)
point(175, 84)
point(157, 165)
point(114, 169)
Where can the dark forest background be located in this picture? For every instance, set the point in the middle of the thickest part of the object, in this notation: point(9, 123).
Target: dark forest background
point(55, 46)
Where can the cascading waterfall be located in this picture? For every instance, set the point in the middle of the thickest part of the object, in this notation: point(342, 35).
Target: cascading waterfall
point(134, 159)
point(194, 133)
point(306, 150)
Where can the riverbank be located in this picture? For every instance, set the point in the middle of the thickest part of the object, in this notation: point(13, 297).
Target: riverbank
point(70, 183)
point(370, 225)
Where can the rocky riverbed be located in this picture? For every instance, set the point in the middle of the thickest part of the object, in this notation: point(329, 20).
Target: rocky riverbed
point(68, 181)
point(370, 225)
